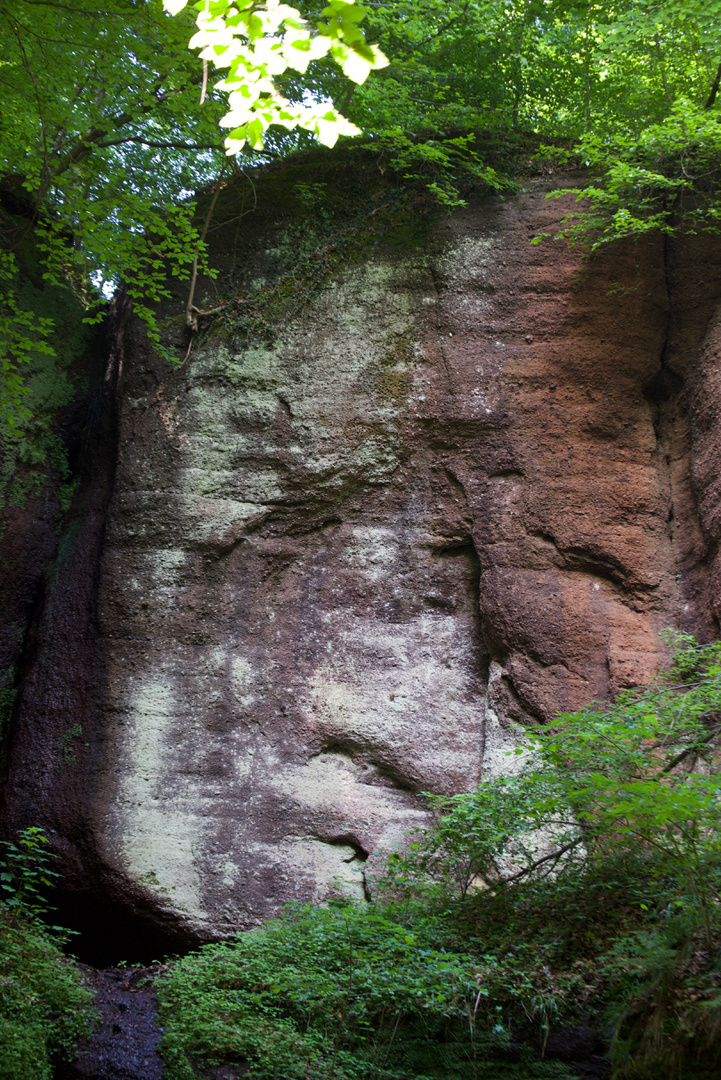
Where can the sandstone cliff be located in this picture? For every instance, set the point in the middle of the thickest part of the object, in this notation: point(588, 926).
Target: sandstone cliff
point(465, 486)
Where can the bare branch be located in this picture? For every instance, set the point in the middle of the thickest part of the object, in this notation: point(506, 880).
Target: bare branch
point(85, 143)
point(555, 855)
point(204, 87)
point(693, 749)
point(169, 144)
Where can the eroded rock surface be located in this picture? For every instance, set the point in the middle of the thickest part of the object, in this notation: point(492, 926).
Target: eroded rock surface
point(461, 491)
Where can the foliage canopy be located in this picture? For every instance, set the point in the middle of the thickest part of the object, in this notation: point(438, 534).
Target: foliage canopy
point(105, 130)
point(110, 123)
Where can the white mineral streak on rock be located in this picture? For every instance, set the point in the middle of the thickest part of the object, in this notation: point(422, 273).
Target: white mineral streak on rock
point(333, 867)
point(159, 831)
point(501, 743)
point(314, 680)
point(241, 673)
point(337, 793)
point(373, 551)
point(402, 690)
point(167, 563)
point(469, 262)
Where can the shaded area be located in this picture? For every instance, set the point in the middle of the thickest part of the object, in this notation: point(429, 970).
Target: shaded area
point(124, 1046)
point(110, 932)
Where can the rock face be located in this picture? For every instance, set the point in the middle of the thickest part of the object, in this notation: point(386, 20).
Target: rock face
point(466, 486)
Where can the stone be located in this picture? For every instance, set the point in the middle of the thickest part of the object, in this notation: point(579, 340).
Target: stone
point(464, 488)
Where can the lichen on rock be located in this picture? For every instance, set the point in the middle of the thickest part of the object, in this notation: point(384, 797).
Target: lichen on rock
point(341, 565)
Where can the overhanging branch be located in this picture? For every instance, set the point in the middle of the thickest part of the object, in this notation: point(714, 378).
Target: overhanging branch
point(154, 144)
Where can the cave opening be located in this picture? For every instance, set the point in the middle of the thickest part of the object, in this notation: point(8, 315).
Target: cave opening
point(106, 932)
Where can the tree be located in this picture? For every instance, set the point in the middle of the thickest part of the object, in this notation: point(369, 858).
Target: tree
point(112, 123)
point(103, 144)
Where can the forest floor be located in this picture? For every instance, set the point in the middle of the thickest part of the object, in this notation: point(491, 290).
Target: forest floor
point(124, 1045)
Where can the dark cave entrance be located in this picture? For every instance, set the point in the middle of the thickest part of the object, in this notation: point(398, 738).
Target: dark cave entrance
point(106, 932)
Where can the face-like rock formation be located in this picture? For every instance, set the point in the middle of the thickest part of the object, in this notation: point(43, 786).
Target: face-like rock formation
point(454, 496)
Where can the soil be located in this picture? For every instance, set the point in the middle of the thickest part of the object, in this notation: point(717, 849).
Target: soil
point(124, 1046)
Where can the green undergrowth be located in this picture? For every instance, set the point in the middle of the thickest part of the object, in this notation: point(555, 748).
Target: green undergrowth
point(346, 990)
point(582, 891)
point(623, 946)
point(37, 379)
point(45, 1008)
point(471, 989)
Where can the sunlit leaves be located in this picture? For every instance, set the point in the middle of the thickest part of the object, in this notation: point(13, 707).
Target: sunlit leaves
point(258, 42)
point(105, 123)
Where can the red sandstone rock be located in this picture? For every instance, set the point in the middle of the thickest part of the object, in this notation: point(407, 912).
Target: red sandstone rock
point(466, 488)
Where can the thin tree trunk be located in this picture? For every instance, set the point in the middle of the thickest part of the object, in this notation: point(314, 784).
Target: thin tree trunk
point(347, 99)
point(714, 89)
point(518, 89)
point(588, 67)
point(662, 69)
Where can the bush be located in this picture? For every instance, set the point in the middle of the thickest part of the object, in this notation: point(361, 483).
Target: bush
point(606, 850)
point(635, 780)
point(667, 179)
point(44, 1006)
point(341, 991)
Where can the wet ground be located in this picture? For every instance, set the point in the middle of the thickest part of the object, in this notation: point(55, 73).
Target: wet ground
point(124, 1046)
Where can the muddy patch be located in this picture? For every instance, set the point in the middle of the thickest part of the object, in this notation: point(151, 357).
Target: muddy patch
point(124, 1045)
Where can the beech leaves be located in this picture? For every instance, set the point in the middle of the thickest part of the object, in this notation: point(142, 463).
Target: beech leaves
point(258, 42)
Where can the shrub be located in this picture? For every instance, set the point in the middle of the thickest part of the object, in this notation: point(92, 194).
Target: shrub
point(607, 849)
point(635, 779)
point(341, 991)
point(44, 1006)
